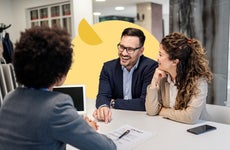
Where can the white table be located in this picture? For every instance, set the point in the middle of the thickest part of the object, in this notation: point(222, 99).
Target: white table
point(170, 135)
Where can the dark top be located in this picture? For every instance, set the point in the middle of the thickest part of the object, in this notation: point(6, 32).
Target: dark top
point(43, 120)
point(111, 84)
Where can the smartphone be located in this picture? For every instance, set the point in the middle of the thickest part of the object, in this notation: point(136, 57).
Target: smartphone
point(201, 129)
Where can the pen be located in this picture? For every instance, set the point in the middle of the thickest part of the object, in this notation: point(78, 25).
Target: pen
point(123, 134)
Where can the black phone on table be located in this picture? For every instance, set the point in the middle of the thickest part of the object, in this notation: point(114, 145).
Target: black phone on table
point(201, 129)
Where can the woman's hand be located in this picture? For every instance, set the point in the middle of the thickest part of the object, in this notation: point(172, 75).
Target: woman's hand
point(91, 123)
point(158, 75)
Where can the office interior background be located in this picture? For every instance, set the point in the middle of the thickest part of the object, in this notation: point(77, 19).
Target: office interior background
point(206, 20)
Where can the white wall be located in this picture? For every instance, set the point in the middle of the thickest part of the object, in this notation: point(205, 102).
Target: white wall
point(14, 12)
point(81, 9)
point(228, 96)
point(165, 15)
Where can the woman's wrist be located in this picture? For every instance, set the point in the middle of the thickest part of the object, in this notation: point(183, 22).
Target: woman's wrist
point(154, 83)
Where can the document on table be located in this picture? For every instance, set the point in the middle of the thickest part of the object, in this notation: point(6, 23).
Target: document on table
point(130, 140)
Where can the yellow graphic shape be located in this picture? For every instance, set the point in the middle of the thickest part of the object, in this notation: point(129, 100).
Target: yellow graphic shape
point(87, 34)
point(89, 58)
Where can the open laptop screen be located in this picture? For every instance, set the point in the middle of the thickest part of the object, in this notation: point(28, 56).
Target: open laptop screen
point(77, 92)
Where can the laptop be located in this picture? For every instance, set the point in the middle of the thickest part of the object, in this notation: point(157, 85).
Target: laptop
point(77, 92)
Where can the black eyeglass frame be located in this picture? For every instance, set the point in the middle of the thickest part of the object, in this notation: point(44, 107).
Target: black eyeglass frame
point(129, 50)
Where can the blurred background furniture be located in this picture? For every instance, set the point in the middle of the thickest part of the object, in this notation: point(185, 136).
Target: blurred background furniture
point(7, 80)
point(218, 113)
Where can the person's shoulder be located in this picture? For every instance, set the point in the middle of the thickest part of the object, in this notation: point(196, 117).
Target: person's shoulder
point(143, 57)
point(59, 100)
point(55, 96)
point(111, 62)
point(202, 81)
point(59, 95)
point(147, 60)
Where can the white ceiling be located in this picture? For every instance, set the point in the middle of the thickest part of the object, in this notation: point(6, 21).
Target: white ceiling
point(107, 8)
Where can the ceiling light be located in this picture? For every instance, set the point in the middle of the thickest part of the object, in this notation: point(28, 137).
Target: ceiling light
point(96, 13)
point(119, 8)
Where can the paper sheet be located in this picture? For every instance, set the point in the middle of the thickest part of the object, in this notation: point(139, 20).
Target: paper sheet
point(131, 140)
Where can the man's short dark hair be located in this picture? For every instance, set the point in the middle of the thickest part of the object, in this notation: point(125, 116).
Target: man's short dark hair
point(134, 32)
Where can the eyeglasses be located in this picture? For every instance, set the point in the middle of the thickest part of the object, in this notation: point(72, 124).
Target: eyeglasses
point(129, 50)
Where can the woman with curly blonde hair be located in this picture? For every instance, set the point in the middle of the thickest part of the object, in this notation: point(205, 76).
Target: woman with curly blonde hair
point(179, 86)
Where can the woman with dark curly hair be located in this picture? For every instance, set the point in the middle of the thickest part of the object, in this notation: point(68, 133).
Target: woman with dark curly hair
point(179, 86)
point(33, 117)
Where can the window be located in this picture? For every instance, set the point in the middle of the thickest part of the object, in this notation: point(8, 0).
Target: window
point(53, 15)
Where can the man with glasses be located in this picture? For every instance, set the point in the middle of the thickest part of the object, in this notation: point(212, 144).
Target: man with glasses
point(123, 81)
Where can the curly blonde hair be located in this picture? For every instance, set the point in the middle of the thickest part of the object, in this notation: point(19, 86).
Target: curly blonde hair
point(193, 65)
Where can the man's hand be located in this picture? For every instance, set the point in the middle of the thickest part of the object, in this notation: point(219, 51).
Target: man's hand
point(103, 114)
